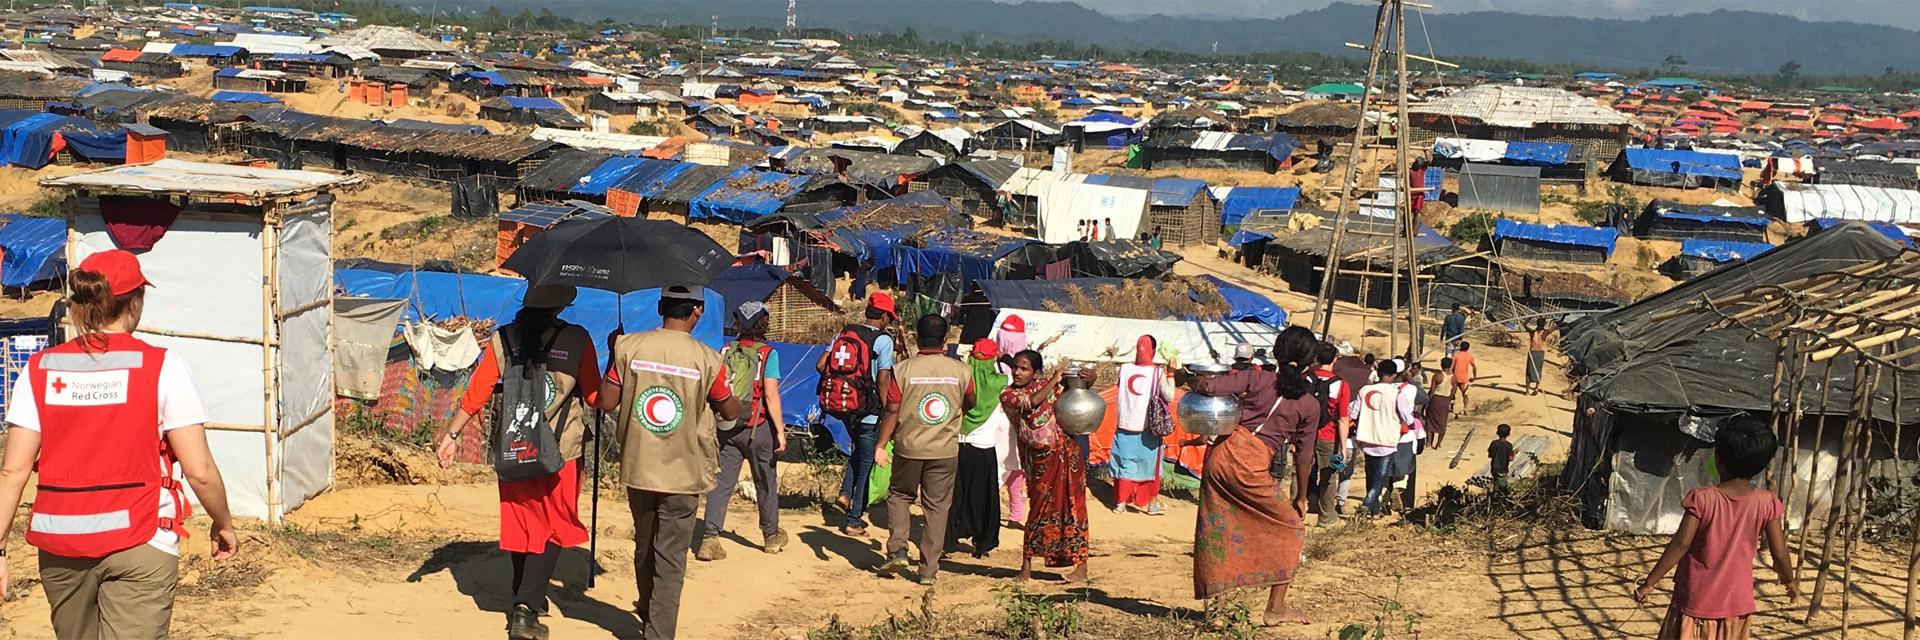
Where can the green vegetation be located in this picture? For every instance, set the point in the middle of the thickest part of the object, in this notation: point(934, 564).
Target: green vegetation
point(1473, 228)
point(1033, 617)
point(648, 128)
point(1393, 620)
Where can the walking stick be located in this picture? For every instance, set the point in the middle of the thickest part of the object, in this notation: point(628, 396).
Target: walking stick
point(593, 537)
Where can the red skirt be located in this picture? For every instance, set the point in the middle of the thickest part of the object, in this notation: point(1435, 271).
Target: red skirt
point(536, 511)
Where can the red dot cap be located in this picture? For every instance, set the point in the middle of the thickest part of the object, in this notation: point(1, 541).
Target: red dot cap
point(880, 300)
point(1013, 324)
point(122, 270)
point(985, 349)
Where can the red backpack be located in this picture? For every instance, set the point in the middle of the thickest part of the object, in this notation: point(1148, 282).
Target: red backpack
point(847, 386)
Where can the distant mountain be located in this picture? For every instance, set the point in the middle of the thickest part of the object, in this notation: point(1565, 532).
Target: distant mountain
point(1721, 41)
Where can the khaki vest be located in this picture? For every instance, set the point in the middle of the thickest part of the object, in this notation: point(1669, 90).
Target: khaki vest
point(933, 391)
point(563, 362)
point(666, 430)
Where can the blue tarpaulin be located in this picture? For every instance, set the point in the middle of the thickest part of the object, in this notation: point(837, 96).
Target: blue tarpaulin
point(443, 295)
point(799, 391)
point(1245, 305)
point(207, 50)
point(1106, 116)
point(303, 57)
point(1709, 218)
point(940, 257)
point(26, 137)
point(229, 72)
point(1686, 163)
point(651, 176)
point(1722, 250)
point(94, 141)
point(1544, 154)
point(744, 284)
point(244, 96)
point(519, 102)
point(1244, 201)
point(1175, 192)
point(1885, 228)
point(1567, 234)
point(765, 195)
point(1243, 236)
point(35, 250)
point(609, 173)
point(493, 78)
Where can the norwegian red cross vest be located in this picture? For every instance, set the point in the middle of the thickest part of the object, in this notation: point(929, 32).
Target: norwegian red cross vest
point(103, 463)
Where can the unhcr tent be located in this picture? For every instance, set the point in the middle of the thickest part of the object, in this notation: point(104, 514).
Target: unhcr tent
point(1063, 205)
point(1797, 202)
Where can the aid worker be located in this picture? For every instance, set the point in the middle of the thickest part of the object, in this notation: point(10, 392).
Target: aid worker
point(670, 392)
point(936, 391)
point(538, 516)
point(104, 418)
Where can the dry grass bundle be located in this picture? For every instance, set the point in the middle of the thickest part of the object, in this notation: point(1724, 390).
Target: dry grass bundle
point(1145, 300)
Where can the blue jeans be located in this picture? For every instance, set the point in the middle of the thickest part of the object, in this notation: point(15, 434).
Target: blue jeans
point(853, 484)
point(1377, 481)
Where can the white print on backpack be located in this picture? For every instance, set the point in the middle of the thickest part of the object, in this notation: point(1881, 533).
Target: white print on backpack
point(86, 388)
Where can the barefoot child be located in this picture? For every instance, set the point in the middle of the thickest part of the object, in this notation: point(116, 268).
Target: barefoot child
point(1716, 543)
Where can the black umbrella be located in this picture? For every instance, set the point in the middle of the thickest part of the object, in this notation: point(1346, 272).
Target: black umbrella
point(621, 255)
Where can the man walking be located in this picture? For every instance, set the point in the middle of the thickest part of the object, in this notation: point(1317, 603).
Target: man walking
point(1454, 327)
point(670, 393)
point(937, 391)
point(757, 438)
point(853, 369)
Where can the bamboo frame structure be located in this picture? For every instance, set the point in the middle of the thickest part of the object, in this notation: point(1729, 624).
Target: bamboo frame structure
point(1865, 316)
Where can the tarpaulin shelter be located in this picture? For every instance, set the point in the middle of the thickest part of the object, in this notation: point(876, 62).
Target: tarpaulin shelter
point(644, 180)
point(1892, 231)
point(1493, 187)
point(794, 305)
point(561, 176)
point(858, 239)
point(1670, 220)
point(244, 96)
point(1652, 379)
point(970, 184)
point(1183, 212)
point(1869, 173)
point(1124, 258)
point(1368, 272)
point(526, 221)
point(1246, 305)
point(1101, 129)
point(34, 250)
point(1676, 168)
point(256, 243)
point(1245, 201)
point(1700, 256)
point(1797, 202)
point(1059, 204)
point(746, 194)
point(433, 295)
point(1556, 242)
point(677, 195)
point(1268, 152)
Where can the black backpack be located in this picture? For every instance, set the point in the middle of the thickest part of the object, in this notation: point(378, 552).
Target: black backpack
point(1323, 392)
point(524, 442)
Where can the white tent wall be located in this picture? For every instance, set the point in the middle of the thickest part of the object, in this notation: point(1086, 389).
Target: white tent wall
point(1098, 339)
point(1064, 204)
point(243, 285)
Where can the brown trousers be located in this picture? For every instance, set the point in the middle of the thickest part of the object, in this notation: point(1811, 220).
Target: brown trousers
point(662, 537)
point(125, 595)
point(931, 481)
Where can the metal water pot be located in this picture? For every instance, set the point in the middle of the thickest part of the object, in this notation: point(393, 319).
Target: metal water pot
point(1208, 415)
point(1080, 409)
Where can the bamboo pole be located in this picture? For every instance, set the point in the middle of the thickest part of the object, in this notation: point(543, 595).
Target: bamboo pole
point(1403, 184)
point(1777, 421)
point(1323, 306)
point(1795, 393)
point(270, 398)
point(1813, 471)
point(1843, 483)
point(192, 335)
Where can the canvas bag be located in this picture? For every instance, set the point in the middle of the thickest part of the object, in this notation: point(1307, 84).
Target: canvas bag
point(525, 444)
point(1159, 417)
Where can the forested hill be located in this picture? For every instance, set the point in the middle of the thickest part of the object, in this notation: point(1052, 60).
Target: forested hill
point(1717, 42)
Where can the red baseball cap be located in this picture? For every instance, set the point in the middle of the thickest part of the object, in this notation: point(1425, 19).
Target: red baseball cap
point(985, 349)
point(121, 269)
point(882, 301)
point(1013, 324)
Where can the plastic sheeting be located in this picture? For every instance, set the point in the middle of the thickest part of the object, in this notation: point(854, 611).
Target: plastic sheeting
point(1722, 250)
point(244, 96)
point(27, 138)
point(436, 295)
point(749, 283)
point(1545, 154)
point(764, 194)
point(611, 172)
point(1244, 201)
point(35, 250)
point(1063, 205)
point(1888, 229)
point(519, 102)
point(1681, 162)
point(1567, 234)
point(362, 334)
point(1470, 150)
point(1176, 192)
point(1244, 236)
point(1244, 304)
point(1803, 202)
point(1094, 339)
point(647, 179)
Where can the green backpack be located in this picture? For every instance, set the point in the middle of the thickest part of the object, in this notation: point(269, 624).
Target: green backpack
point(745, 368)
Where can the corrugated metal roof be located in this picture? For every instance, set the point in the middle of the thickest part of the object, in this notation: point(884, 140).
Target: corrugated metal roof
point(1503, 105)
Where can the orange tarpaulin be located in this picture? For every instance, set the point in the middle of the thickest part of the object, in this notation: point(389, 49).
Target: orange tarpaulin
point(1101, 443)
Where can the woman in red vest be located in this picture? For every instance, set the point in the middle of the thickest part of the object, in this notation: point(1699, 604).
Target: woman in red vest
point(105, 417)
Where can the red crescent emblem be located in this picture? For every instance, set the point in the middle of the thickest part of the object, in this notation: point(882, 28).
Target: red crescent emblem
point(1371, 396)
point(654, 413)
point(1134, 388)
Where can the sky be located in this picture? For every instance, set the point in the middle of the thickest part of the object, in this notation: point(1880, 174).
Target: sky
point(1897, 13)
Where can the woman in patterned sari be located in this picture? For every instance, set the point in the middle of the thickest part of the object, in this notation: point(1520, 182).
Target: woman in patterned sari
point(1248, 536)
point(1056, 528)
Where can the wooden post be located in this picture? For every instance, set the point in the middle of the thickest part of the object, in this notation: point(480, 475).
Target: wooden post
point(270, 396)
point(1843, 483)
point(1323, 307)
point(1403, 185)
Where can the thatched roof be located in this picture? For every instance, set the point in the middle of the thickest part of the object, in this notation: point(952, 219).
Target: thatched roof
point(1503, 105)
point(1318, 115)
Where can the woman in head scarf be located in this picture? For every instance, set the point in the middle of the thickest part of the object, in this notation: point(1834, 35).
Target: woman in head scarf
point(1135, 462)
point(976, 490)
point(1011, 338)
point(1057, 527)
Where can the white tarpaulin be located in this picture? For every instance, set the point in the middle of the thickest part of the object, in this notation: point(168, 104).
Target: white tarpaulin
point(1097, 339)
point(362, 333)
point(1804, 202)
point(1470, 149)
point(1064, 204)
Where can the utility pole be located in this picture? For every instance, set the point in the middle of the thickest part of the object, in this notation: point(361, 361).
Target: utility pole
point(793, 19)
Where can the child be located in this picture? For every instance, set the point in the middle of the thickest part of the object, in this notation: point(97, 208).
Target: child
point(1499, 456)
point(1715, 546)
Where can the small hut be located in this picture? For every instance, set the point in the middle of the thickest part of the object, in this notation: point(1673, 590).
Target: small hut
point(523, 223)
point(1551, 242)
point(1670, 220)
point(795, 308)
point(1183, 212)
point(970, 185)
point(1319, 122)
point(1699, 256)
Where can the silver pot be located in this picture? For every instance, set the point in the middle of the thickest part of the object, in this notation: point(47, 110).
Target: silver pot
point(1208, 415)
point(1079, 410)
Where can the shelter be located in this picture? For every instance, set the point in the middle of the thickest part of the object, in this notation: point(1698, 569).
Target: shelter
point(971, 185)
point(795, 308)
point(243, 239)
point(1552, 242)
point(387, 42)
point(1101, 130)
point(674, 195)
point(1368, 270)
point(521, 224)
point(1869, 173)
point(1654, 378)
point(1508, 112)
point(1319, 122)
point(944, 143)
point(1670, 220)
point(563, 175)
point(1058, 204)
point(1527, 289)
point(859, 240)
point(1218, 150)
point(400, 148)
point(542, 112)
point(149, 64)
point(1499, 188)
point(1699, 256)
point(746, 194)
point(1797, 202)
point(1241, 202)
point(1121, 258)
point(237, 79)
point(1554, 160)
point(1677, 168)
point(1183, 212)
point(1020, 134)
point(32, 251)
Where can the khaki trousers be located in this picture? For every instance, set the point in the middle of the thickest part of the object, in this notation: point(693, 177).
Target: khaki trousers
point(931, 481)
point(127, 595)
